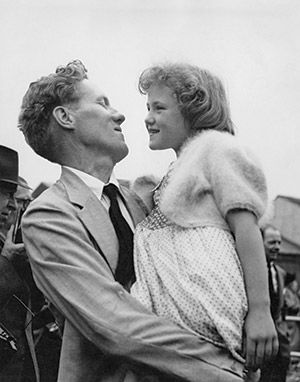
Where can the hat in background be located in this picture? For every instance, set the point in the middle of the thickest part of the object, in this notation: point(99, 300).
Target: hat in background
point(9, 166)
point(23, 191)
point(23, 183)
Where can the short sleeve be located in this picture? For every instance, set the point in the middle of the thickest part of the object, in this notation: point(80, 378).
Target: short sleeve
point(236, 177)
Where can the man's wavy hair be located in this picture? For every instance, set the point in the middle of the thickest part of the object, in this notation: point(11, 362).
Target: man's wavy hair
point(200, 94)
point(41, 98)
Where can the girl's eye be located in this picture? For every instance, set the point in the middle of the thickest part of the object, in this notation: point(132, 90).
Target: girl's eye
point(156, 107)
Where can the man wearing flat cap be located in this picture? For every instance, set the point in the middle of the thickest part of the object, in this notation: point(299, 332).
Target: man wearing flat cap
point(18, 361)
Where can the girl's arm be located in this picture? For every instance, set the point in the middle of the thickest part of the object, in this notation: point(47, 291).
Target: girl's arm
point(260, 334)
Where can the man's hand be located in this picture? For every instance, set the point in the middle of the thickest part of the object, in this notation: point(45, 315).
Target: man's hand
point(261, 342)
point(11, 250)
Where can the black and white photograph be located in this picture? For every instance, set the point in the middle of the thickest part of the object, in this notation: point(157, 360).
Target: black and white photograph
point(149, 191)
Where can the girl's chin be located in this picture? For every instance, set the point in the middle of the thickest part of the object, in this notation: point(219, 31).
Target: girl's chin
point(155, 147)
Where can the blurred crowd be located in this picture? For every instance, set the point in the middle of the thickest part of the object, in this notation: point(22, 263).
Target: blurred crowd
point(29, 338)
point(292, 295)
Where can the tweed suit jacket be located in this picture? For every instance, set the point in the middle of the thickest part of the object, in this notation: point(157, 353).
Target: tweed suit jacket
point(280, 323)
point(108, 335)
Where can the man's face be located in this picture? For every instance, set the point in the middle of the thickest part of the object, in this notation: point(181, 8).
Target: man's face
point(22, 196)
point(98, 125)
point(272, 242)
point(7, 205)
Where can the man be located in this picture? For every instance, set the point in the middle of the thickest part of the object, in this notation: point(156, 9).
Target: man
point(17, 354)
point(78, 235)
point(47, 342)
point(7, 217)
point(276, 370)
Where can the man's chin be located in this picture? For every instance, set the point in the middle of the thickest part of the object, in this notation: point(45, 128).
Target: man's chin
point(274, 256)
point(3, 221)
point(122, 153)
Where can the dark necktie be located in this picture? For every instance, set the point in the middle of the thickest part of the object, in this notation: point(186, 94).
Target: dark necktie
point(124, 271)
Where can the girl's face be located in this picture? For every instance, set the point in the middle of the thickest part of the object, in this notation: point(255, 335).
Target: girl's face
point(165, 124)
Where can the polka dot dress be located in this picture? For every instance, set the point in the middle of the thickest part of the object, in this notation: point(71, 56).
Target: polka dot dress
point(191, 276)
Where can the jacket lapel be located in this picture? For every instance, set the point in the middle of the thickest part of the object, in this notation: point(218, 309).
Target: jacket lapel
point(93, 216)
point(280, 282)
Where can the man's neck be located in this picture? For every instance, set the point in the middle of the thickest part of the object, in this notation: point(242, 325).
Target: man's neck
point(101, 170)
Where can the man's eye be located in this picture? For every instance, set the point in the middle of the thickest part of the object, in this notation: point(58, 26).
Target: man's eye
point(102, 103)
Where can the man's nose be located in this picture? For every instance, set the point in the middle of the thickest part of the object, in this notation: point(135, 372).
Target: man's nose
point(118, 117)
point(277, 245)
point(12, 204)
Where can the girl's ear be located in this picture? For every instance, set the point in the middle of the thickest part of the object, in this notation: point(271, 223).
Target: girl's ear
point(63, 117)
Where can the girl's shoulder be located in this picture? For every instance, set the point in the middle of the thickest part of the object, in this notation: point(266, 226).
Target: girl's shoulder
point(210, 139)
point(209, 145)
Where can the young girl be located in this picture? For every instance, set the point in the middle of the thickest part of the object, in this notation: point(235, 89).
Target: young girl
point(199, 256)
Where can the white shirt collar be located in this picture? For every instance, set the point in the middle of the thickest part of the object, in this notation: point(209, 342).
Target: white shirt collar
point(96, 185)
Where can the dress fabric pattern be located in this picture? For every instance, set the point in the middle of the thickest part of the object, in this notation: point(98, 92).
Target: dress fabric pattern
point(192, 276)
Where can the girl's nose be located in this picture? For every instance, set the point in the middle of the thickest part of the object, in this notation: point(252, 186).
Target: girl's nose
point(149, 120)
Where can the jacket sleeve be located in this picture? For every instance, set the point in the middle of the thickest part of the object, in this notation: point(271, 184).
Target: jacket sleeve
point(77, 280)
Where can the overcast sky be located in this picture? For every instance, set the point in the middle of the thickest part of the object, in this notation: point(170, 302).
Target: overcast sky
point(253, 45)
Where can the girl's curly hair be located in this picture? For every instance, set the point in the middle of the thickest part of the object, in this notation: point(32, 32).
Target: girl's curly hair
point(200, 94)
point(41, 98)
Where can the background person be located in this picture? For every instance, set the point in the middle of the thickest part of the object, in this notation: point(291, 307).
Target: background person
point(275, 370)
point(22, 199)
point(47, 341)
point(7, 218)
point(199, 254)
point(292, 308)
point(17, 352)
point(291, 296)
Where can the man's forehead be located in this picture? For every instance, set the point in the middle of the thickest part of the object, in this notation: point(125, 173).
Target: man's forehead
point(90, 89)
point(272, 234)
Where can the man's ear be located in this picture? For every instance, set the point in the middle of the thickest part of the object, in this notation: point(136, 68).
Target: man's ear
point(63, 117)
